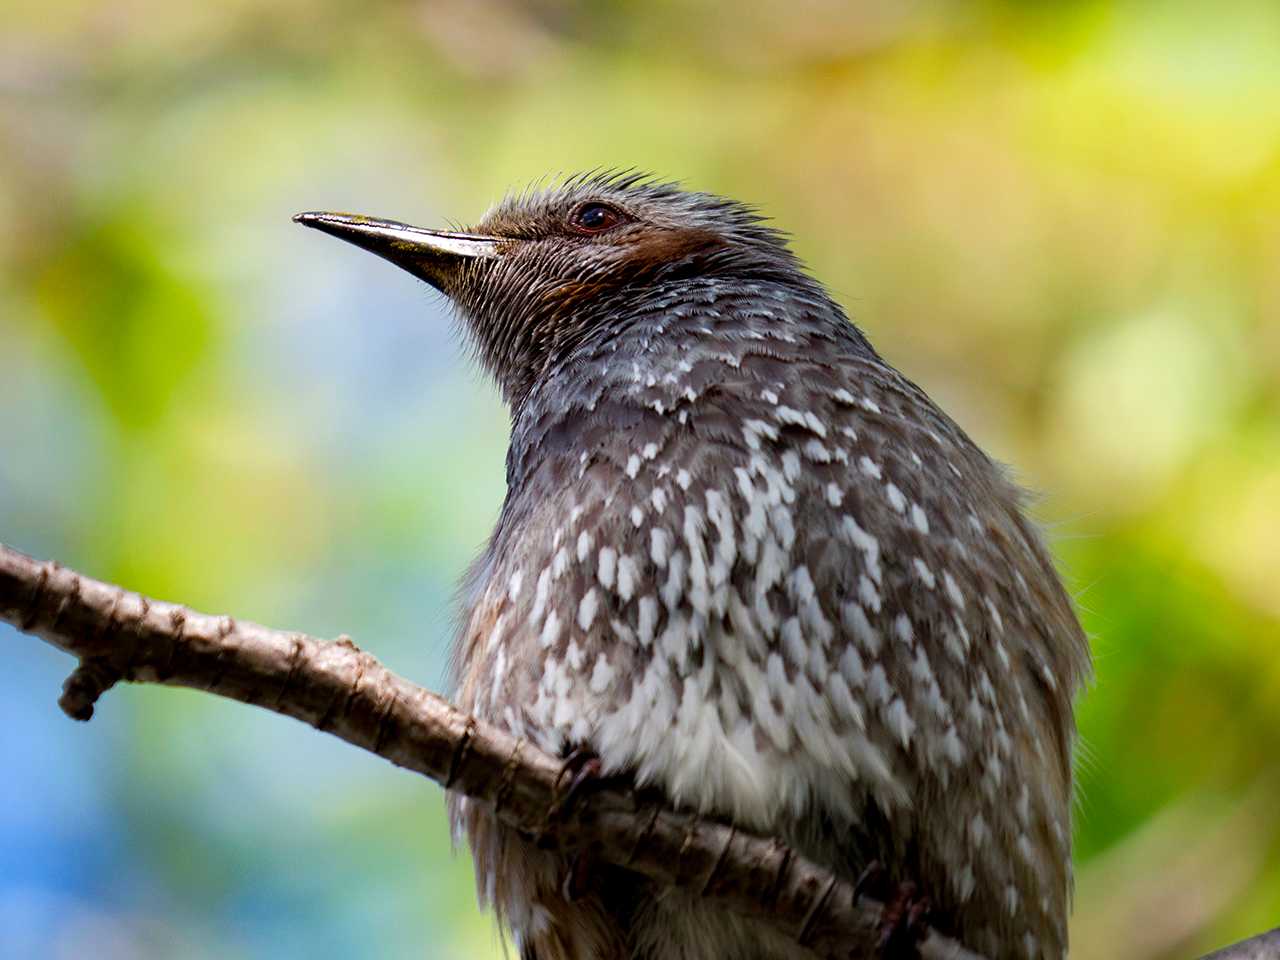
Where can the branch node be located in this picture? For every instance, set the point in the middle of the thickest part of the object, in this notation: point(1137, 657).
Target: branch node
point(815, 909)
point(460, 754)
point(226, 629)
point(715, 867)
point(295, 657)
point(37, 594)
point(645, 832)
point(177, 634)
point(71, 597)
point(383, 722)
point(506, 781)
point(80, 691)
point(779, 878)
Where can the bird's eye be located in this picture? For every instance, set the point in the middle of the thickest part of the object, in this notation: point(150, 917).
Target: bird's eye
point(594, 218)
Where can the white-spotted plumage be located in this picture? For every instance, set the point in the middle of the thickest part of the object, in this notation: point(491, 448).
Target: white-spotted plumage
point(772, 579)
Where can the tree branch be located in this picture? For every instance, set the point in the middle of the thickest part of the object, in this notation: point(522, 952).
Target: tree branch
point(336, 687)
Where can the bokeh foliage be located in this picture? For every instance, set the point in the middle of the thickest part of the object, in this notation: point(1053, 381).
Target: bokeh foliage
point(1063, 219)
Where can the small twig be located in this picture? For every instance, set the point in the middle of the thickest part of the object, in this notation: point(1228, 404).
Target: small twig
point(1265, 946)
point(80, 691)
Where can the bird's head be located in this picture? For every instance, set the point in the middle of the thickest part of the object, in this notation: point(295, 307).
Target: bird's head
point(548, 267)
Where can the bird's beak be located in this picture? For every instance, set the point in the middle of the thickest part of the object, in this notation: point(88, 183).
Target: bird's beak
point(431, 255)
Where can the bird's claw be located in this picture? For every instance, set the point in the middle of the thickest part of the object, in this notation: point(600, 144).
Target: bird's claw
point(903, 923)
point(903, 920)
point(580, 768)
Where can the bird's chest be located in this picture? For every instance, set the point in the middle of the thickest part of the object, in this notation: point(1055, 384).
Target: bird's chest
point(789, 594)
point(648, 646)
point(668, 596)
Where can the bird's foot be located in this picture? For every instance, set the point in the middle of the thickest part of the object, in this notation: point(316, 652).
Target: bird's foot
point(903, 923)
point(904, 919)
point(580, 770)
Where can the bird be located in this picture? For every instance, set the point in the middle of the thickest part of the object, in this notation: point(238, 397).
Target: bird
point(746, 563)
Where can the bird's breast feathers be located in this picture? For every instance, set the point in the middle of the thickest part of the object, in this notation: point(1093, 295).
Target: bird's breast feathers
point(774, 586)
point(764, 589)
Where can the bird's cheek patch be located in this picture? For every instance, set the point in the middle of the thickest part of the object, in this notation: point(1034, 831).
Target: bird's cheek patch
point(642, 258)
point(658, 249)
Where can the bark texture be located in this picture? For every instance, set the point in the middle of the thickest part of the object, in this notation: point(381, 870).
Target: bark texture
point(116, 634)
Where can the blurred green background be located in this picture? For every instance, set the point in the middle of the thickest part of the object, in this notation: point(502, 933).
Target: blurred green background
point(1062, 219)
